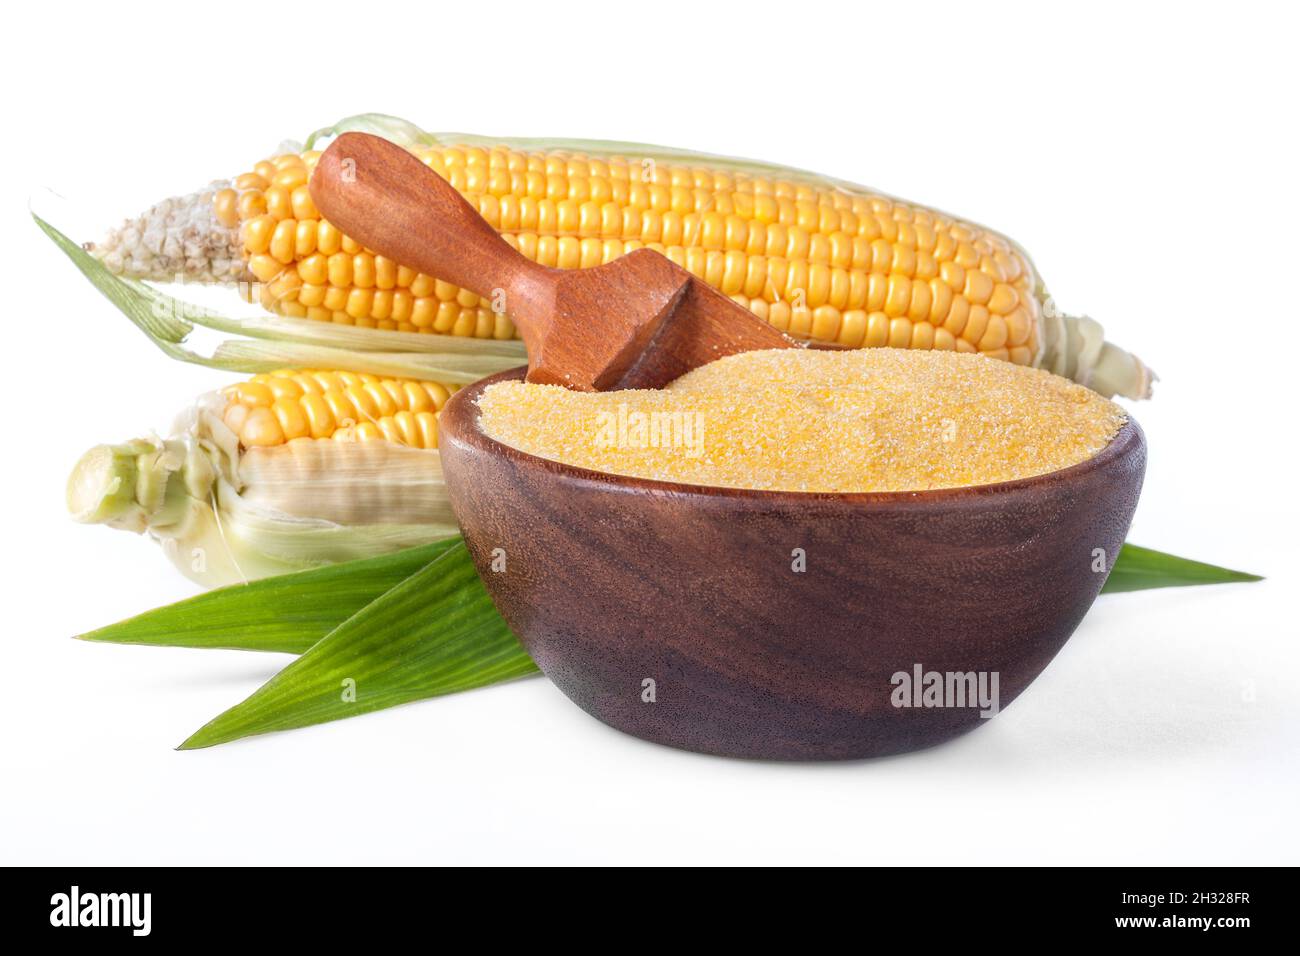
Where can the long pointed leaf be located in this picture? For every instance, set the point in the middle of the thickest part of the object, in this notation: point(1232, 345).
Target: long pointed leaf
point(435, 633)
point(1139, 569)
point(287, 613)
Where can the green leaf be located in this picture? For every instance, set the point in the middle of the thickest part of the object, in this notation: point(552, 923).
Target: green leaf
point(287, 613)
point(434, 633)
point(291, 612)
point(1139, 569)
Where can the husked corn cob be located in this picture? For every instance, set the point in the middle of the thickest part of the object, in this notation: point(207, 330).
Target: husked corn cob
point(817, 259)
point(287, 404)
point(815, 262)
point(286, 470)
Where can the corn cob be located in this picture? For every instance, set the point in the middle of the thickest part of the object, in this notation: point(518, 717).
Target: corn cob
point(284, 471)
point(818, 259)
point(288, 404)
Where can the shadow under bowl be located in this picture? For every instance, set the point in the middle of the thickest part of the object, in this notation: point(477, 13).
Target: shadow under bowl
point(680, 614)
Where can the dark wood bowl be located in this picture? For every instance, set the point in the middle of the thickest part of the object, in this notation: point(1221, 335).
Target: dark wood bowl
point(612, 582)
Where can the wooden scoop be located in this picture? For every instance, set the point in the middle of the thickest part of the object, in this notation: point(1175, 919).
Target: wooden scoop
point(637, 322)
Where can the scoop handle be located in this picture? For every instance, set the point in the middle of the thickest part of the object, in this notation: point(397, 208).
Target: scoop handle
point(383, 197)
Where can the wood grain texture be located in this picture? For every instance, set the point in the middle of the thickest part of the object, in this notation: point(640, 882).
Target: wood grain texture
point(611, 580)
point(637, 322)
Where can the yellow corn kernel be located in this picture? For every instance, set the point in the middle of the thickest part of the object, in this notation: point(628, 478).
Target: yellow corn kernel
point(251, 204)
point(292, 418)
point(284, 241)
point(261, 428)
point(256, 234)
point(279, 202)
point(225, 205)
point(301, 203)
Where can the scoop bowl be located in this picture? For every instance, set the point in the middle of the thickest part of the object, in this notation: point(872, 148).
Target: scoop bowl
point(786, 625)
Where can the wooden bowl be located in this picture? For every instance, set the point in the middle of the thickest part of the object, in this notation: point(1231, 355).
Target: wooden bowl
point(675, 612)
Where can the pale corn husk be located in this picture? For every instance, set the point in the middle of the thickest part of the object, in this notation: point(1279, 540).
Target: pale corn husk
point(264, 343)
point(226, 515)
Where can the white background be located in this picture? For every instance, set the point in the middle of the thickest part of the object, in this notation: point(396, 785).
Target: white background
point(1145, 154)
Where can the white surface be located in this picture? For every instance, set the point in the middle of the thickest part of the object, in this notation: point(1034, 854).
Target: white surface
point(1147, 159)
